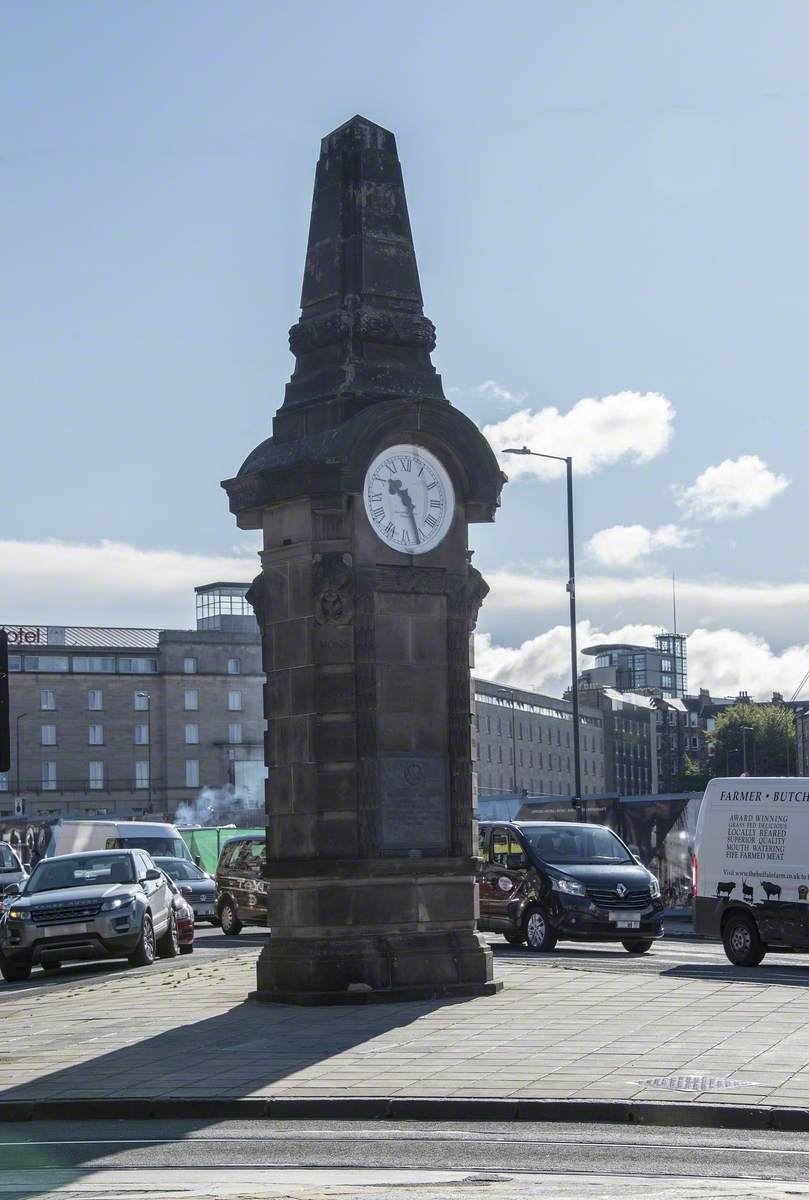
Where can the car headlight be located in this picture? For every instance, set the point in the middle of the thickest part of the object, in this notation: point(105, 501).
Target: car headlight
point(19, 914)
point(571, 886)
point(654, 888)
point(113, 902)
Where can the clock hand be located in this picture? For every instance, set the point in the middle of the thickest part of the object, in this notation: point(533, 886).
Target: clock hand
point(396, 488)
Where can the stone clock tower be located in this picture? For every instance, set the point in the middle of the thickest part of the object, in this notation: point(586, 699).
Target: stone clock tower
point(366, 600)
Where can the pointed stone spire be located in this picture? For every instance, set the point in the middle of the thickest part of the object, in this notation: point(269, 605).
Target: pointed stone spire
point(362, 335)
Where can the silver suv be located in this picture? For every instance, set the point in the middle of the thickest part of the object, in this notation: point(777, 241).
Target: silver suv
point(79, 907)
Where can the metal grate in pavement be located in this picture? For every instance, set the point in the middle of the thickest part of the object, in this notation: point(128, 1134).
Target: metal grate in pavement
point(695, 1083)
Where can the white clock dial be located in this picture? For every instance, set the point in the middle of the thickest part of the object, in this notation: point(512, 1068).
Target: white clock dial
point(409, 499)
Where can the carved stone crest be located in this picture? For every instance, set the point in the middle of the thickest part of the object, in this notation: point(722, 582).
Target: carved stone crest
point(333, 589)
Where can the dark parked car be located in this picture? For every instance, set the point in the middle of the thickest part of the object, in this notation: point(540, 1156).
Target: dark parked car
point(241, 892)
point(542, 880)
point(183, 915)
point(196, 885)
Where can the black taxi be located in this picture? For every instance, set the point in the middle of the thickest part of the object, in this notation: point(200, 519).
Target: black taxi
point(241, 890)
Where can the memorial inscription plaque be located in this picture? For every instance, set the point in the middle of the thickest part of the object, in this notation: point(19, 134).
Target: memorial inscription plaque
point(414, 801)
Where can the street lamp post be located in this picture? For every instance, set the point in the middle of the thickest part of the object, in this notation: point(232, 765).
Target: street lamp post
point(579, 801)
point(19, 718)
point(745, 730)
point(145, 696)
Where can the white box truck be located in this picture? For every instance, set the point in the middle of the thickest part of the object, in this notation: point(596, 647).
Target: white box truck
point(751, 866)
point(70, 837)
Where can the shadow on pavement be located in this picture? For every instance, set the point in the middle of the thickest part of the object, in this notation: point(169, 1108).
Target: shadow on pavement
point(785, 976)
point(231, 1055)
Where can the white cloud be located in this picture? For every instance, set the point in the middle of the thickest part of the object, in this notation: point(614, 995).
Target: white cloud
point(734, 488)
point(725, 661)
point(629, 425)
point(107, 583)
point(621, 545)
point(519, 602)
point(491, 390)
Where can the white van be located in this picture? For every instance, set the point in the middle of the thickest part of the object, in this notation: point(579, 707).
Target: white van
point(70, 837)
point(751, 866)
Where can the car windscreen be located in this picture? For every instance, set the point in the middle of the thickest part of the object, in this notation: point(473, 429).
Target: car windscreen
point(7, 860)
point(178, 868)
point(53, 874)
point(169, 847)
point(567, 844)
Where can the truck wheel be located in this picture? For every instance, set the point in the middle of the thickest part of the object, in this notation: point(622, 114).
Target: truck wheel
point(537, 931)
point(742, 942)
point(14, 972)
point(229, 918)
point(168, 946)
point(637, 945)
point(144, 954)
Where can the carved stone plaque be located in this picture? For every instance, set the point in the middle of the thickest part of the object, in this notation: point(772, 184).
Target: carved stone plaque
point(414, 803)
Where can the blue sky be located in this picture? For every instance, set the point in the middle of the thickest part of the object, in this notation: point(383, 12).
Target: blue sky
point(605, 198)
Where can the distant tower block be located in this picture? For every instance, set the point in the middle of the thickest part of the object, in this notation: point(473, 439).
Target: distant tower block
point(366, 601)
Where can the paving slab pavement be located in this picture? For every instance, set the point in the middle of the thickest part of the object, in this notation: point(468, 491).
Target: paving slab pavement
point(572, 1026)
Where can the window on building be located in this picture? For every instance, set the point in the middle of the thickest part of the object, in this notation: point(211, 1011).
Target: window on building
point(235, 701)
point(96, 777)
point(190, 666)
point(192, 772)
point(3, 781)
point(48, 735)
point(141, 735)
point(49, 777)
point(235, 734)
point(93, 665)
point(234, 666)
point(137, 666)
point(192, 735)
point(46, 662)
point(14, 662)
point(191, 700)
point(47, 700)
point(488, 754)
point(488, 724)
point(95, 735)
point(499, 754)
point(95, 700)
point(142, 774)
point(141, 702)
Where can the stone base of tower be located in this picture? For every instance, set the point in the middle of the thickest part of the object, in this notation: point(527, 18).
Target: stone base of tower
point(374, 968)
point(380, 931)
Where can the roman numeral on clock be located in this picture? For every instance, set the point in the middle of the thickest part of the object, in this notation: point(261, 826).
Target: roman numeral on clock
point(430, 521)
point(390, 529)
point(378, 513)
point(436, 504)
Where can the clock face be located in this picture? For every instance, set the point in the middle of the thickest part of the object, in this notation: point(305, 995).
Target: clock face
point(409, 499)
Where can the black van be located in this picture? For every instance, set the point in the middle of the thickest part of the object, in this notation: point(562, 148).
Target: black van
point(241, 890)
point(544, 880)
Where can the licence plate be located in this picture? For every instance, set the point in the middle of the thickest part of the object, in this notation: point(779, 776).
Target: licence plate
point(63, 930)
point(204, 910)
point(626, 920)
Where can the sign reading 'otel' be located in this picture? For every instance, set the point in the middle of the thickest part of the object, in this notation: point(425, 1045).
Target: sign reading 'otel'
point(25, 635)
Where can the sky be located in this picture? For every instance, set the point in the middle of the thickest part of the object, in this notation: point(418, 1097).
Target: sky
point(608, 203)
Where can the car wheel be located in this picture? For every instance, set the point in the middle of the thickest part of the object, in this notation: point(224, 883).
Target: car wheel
point(145, 952)
point(537, 931)
point(742, 942)
point(229, 918)
point(187, 948)
point(14, 972)
point(51, 967)
point(514, 939)
point(168, 946)
point(638, 945)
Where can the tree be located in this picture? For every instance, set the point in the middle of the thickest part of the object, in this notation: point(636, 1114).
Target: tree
point(765, 731)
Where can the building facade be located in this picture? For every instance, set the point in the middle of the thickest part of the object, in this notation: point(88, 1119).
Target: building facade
point(523, 742)
point(131, 722)
point(660, 670)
